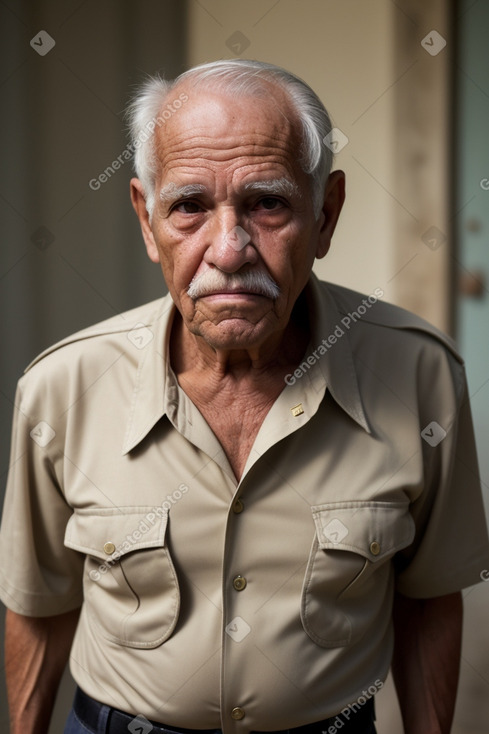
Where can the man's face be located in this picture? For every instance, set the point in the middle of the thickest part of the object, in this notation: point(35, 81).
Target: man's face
point(232, 198)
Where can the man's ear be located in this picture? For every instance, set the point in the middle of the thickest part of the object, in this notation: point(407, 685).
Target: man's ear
point(139, 203)
point(334, 197)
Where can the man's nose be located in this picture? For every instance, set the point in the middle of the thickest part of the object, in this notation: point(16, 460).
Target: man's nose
point(230, 245)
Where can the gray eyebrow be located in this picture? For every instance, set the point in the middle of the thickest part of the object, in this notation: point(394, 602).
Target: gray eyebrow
point(280, 186)
point(171, 191)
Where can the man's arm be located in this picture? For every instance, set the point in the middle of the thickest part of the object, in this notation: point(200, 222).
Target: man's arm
point(36, 652)
point(428, 637)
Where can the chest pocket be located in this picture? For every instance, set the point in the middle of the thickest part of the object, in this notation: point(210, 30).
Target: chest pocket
point(348, 578)
point(130, 586)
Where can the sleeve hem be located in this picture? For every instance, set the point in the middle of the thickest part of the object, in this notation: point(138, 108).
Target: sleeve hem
point(442, 587)
point(38, 605)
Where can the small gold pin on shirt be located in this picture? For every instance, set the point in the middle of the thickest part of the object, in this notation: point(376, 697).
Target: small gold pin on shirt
point(297, 410)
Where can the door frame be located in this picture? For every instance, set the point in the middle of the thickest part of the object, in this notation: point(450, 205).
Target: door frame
point(424, 163)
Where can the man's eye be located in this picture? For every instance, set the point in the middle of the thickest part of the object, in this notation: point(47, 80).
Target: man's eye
point(269, 203)
point(187, 207)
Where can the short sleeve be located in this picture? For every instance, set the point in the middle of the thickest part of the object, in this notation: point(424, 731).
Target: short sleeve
point(39, 576)
point(451, 548)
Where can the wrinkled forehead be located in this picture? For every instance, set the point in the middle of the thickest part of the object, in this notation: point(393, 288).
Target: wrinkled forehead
point(202, 117)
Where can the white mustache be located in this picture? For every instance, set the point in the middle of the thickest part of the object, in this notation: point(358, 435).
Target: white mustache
point(215, 281)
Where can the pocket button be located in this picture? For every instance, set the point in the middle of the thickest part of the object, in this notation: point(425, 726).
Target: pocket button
point(109, 548)
point(374, 548)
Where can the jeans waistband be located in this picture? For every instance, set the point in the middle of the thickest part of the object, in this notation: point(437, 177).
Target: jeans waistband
point(88, 711)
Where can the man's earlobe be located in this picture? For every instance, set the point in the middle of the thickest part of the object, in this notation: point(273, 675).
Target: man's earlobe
point(138, 200)
point(334, 197)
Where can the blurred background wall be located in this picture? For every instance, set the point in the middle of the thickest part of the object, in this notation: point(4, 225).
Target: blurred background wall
point(399, 78)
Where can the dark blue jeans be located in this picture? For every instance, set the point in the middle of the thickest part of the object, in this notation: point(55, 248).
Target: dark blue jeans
point(75, 726)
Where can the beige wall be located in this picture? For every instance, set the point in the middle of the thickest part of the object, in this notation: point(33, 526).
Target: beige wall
point(343, 49)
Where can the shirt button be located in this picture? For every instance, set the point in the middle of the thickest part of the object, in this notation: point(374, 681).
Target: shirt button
point(239, 583)
point(109, 548)
point(375, 548)
point(238, 506)
point(237, 713)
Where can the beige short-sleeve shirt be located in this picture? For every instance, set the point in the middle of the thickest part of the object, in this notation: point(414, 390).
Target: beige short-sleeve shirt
point(261, 604)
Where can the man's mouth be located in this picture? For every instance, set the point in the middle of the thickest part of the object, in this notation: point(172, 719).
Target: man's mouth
point(238, 291)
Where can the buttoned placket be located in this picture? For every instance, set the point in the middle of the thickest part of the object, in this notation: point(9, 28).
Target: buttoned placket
point(295, 406)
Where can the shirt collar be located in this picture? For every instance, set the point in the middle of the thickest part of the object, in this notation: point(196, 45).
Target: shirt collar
point(156, 391)
point(331, 350)
point(153, 388)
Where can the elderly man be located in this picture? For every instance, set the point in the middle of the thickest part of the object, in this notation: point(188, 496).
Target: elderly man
point(259, 490)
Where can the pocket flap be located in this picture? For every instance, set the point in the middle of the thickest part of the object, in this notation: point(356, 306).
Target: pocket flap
point(111, 532)
point(373, 529)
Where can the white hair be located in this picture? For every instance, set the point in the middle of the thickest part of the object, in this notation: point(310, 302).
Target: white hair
point(235, 77)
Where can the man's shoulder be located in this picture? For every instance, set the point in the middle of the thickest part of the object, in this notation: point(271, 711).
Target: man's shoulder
point(129, 324)
point(356, 308)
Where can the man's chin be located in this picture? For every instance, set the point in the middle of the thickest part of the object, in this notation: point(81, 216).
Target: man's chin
point(232, 333)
